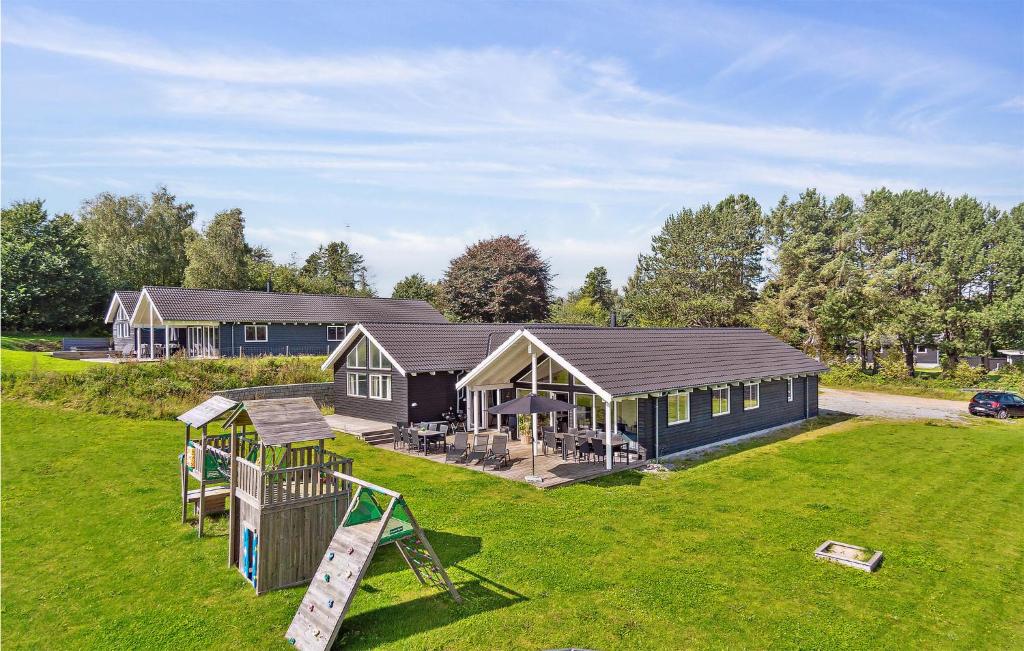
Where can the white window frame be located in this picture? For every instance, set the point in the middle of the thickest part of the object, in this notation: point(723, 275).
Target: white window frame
point(728, 400)
point(336, 338)
point(355, 349)
point(381, 384)
point(349, 385)
point(922, 349)
point(789, 389)
point(256, 326)
point(757, 404)
point(675, 395)
point(383, 363)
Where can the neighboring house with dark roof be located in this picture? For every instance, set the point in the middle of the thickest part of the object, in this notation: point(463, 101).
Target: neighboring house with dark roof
point(667, 389)
point(222, 323)
point(119, 313)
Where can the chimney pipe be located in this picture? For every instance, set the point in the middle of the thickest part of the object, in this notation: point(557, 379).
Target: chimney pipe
point(270, 285)
point(611, 320)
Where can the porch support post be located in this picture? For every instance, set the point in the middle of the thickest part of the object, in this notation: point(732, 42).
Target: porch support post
point(533, 390)
point(608, 434)
point(151, 329)
point(138, 343)
point(476, 412)
point(167, 342)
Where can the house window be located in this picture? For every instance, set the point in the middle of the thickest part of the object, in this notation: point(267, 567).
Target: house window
point(751, 395)
point(720, 401)
point(255, 333)
point(678, 407)
point(335, 333)
point(357, 356)
point(922, 349)
point(378, 359)
point(548, 372)
point(357, 385)
point(789, 390)
point(380, 387)
point(584, 410)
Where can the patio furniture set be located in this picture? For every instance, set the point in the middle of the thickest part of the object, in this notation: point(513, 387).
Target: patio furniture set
point(584, 444)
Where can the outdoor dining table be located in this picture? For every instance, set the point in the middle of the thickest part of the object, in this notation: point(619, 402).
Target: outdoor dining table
point(618, 441)
point(433, 435)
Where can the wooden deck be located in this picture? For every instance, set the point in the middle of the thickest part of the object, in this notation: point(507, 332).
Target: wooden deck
point(551, 467)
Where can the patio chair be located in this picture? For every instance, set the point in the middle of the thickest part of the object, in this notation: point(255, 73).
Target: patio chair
point(396, 436)
point(509, 432)
point(498, 455)
point(442, 428)
point(479, 449)
point(569, 446)
point(432, 427)
point(583, 452)
point(416, 442)
point(459, 448)
point(402, 423)
point(550, 441)
point(598, 449)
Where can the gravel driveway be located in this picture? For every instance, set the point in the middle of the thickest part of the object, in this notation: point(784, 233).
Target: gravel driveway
point(869, 403)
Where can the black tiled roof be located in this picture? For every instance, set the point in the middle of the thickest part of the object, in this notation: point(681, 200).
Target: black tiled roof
point(181, 304)
point(623, 361)
point(422, 347)
point(128, 299)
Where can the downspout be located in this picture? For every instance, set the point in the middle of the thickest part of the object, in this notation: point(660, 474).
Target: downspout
point(657, 429)
point(807, 397)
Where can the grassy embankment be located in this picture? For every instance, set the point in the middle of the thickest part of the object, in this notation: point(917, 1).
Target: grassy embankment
point(717, 555)
point(147, 389)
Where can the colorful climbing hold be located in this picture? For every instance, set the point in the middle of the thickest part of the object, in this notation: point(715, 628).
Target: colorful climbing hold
point(349, 575)
point(327, 578)
point(291, 641)
point(330, 556)
point(311, 608)
point(351, 550)
point(330, 603)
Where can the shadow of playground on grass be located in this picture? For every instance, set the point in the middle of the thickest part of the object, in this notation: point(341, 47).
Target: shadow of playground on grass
point(451, 548)
point(393, 623)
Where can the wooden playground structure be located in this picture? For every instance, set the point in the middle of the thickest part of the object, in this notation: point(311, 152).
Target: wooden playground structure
point(275, 479)
point(292, 516)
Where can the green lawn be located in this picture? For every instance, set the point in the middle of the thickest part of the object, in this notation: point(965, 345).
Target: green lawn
point(23, 361)
point(717, 555)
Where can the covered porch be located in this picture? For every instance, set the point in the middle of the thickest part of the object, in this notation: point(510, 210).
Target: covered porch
point(157, 338)
point(551, 467)
point(522, 365)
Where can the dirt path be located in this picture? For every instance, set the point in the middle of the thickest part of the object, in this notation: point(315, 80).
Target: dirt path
point(869, 403)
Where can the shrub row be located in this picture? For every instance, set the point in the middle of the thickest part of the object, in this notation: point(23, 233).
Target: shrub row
point(157, 390)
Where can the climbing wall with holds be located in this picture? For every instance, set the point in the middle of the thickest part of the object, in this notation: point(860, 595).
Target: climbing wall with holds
point(330, 593)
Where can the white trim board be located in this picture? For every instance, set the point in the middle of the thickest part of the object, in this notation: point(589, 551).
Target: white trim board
point(347, 341)
point(547, 350)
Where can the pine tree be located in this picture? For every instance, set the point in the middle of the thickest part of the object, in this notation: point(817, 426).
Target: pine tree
point(703, 269)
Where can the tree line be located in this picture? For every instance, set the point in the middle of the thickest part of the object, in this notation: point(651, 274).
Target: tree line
point(58, 271)
point(830, 276)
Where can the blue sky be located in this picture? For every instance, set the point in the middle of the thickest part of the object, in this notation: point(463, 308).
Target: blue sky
point(412, 129)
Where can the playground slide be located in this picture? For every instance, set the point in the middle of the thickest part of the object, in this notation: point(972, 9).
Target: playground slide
point(330, 593)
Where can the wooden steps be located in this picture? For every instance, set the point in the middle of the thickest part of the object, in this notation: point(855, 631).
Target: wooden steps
point(377, 438)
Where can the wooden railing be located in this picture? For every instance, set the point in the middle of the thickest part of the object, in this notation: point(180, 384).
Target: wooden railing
point(308, 478)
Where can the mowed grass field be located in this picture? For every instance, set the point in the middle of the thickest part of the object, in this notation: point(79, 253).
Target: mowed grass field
point(717, 555)
point(17, 356)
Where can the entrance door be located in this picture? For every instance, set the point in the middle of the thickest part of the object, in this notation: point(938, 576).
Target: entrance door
point(203, 341)
point(249, 556)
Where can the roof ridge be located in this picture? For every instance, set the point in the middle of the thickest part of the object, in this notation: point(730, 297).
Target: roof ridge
point(261, 292)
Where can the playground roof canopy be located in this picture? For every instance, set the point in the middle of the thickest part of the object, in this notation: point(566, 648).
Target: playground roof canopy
point(207, 411)
point(283, 420)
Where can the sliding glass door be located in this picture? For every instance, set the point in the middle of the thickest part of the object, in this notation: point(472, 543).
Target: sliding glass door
point(203, 341)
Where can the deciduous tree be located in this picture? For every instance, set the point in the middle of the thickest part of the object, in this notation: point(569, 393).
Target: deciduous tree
point(48, 280)
point(218, 257)
point(498, 280)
